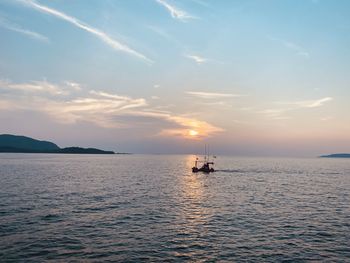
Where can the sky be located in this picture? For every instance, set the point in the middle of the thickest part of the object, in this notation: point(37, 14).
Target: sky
point(247, 77)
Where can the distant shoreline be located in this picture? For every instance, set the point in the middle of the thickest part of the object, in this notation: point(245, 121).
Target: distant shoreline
point(69, 150)
point(58, 153)
point(336, 155)
point(21, 144)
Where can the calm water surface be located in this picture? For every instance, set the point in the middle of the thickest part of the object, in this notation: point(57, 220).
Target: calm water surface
point(135, 208)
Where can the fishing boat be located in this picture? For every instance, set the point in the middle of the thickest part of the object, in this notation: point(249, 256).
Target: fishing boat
point(206, 166)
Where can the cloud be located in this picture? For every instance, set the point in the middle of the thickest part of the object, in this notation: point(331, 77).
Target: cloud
point(75, 86)
point(315, 103)
point(308, 103)
point(186, 124)
point(26, 32)
point(34, 86)
point(275, 114)
point(211, 95)
point(124, 101)
point(280, 113)
point(94, 109)
point(175, 12)
point(199, 60)
point(116, 45)
point(290, 45)
point(102, 108)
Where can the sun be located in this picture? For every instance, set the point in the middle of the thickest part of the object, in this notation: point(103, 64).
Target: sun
point(192, 133)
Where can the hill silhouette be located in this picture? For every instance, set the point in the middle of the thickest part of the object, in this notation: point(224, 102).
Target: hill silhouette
point(22, 144)
point(26, 143)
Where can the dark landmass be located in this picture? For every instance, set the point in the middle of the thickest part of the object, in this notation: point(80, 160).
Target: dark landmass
point(336, 155)
point(84, 150)
point(26, 143)
point(22, 144)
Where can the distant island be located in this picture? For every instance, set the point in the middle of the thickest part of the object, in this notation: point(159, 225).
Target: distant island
point(336, 155)
point(22, 144)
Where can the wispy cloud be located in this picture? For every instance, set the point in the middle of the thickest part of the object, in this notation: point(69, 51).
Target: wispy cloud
point(129, 102)
point(315, 103)
point(308, 103)
point(275, 114)
point(199, 60)
point(113, 43)
point(26, 32)
point(211, 95)
point(281, 112)
point(102, 108)
point(33, 87)
point(75, 86)
point(292, 46)
point(176, 12)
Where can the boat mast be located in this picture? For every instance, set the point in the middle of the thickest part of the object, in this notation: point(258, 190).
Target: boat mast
point(208, 154)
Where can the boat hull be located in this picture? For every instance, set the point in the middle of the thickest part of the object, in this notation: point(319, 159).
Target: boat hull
point(203, 170)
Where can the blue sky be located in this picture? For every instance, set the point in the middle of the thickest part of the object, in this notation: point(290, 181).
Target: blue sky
point(165, 76)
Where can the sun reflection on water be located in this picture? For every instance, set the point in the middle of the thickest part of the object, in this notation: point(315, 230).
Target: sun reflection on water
point(193, 214)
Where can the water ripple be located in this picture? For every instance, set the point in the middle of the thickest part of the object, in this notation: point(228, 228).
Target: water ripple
point(139, 208)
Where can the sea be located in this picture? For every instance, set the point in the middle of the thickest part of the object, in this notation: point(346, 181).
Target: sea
point(152, 208)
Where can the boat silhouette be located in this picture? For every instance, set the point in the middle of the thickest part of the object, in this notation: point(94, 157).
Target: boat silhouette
point(206, 166)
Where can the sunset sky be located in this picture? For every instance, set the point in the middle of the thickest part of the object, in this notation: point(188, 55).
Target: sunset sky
point(249, 77)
